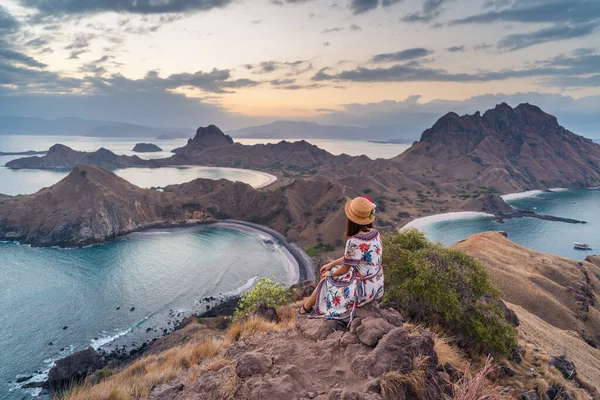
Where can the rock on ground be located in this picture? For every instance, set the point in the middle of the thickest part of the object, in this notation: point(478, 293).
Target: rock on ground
point(74, 368)
point(320, 359)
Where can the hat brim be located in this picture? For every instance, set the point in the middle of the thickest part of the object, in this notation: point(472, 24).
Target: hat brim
point(356, 219)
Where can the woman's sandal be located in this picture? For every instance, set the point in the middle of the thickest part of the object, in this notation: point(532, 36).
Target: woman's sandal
point(302, 308)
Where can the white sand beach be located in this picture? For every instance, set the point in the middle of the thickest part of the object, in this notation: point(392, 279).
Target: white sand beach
point(420, 223)
point(521, 195)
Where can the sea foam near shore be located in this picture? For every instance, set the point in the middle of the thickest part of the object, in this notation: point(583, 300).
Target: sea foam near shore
point(420, 223)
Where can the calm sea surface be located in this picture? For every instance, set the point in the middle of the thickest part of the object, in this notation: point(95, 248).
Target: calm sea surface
point(547, 236)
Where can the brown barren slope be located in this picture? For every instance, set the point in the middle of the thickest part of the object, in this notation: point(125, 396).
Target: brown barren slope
point(559, 290)
point(554, 297)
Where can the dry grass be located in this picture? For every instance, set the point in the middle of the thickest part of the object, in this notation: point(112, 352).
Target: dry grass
point(393, 382)
point(447, 353)
point(477, 386)
point(185, 363)
point(287, 315)
point(535, 375)
point(250, 326)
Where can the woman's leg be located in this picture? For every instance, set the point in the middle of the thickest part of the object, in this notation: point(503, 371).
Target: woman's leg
point(310, 302)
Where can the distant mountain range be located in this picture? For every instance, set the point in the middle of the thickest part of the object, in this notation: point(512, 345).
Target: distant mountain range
point(313, 130)
point(84, 127)
point(274, 130)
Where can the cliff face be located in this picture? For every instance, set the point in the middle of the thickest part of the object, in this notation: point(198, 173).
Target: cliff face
point(61, 156)
point(506, 148)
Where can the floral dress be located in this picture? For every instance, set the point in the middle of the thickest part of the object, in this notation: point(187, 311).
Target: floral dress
point(338, 296)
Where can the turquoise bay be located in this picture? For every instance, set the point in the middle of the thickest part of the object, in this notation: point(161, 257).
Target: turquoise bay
point(547, 236)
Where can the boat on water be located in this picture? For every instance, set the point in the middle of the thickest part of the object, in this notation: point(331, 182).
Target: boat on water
point(582, 246)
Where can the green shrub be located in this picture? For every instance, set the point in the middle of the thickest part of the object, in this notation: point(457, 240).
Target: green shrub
point(103, 374)
point(271, 293)
point(436, 284)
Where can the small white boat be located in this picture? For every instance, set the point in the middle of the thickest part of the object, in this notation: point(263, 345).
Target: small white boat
point(582, 246)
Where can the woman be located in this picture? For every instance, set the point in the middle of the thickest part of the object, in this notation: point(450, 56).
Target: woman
point(356, 278)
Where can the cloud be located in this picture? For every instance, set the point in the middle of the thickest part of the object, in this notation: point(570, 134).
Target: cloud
point(430, 11)
point(456, 49)
point(331, 30)
point(281, 2)
point(569, 18)
point(551, 34)
point(215, 81)
point(292, 68)
point(362, 6)
point(75, 7)
point(404, 55)
point(7, 21)
point(279, 82)
point(547, 11)
point(80, 44)
point(7, 54)
point(355, 27)
point(562, 69)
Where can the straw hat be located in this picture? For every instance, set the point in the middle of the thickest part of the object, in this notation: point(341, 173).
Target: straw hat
point(360, 211)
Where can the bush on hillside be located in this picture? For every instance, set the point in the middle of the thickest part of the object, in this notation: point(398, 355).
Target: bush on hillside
point(271, 293)
point(436, 284)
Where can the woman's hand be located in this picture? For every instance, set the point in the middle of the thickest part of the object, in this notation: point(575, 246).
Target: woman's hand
point(325, 268)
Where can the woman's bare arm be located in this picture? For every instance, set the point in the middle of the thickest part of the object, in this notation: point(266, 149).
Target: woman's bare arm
point(343, 270)
point(338, 272)
point(327, 267)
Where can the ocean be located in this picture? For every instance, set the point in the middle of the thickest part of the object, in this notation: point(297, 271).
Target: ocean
point(547, 236)
point(160, 275)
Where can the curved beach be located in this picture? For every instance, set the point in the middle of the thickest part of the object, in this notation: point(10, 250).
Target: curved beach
point(270, 178)
point(304, 264)
point(420, 223)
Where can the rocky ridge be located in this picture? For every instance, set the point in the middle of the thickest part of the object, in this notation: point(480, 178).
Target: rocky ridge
point(508, 148)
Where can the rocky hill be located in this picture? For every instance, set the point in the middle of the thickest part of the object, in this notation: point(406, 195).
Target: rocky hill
point(61, 156)
point(211, 136)
point(509, 149)
point(90, 205)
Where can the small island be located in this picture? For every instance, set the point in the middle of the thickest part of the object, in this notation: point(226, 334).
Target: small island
point(146, 148)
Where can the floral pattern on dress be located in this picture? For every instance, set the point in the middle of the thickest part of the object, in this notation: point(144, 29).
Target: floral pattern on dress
point(338, 297)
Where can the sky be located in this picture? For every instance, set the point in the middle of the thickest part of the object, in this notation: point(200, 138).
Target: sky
point(236, 63)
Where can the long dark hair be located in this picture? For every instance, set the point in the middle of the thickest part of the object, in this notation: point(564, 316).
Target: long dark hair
point(352, 228)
